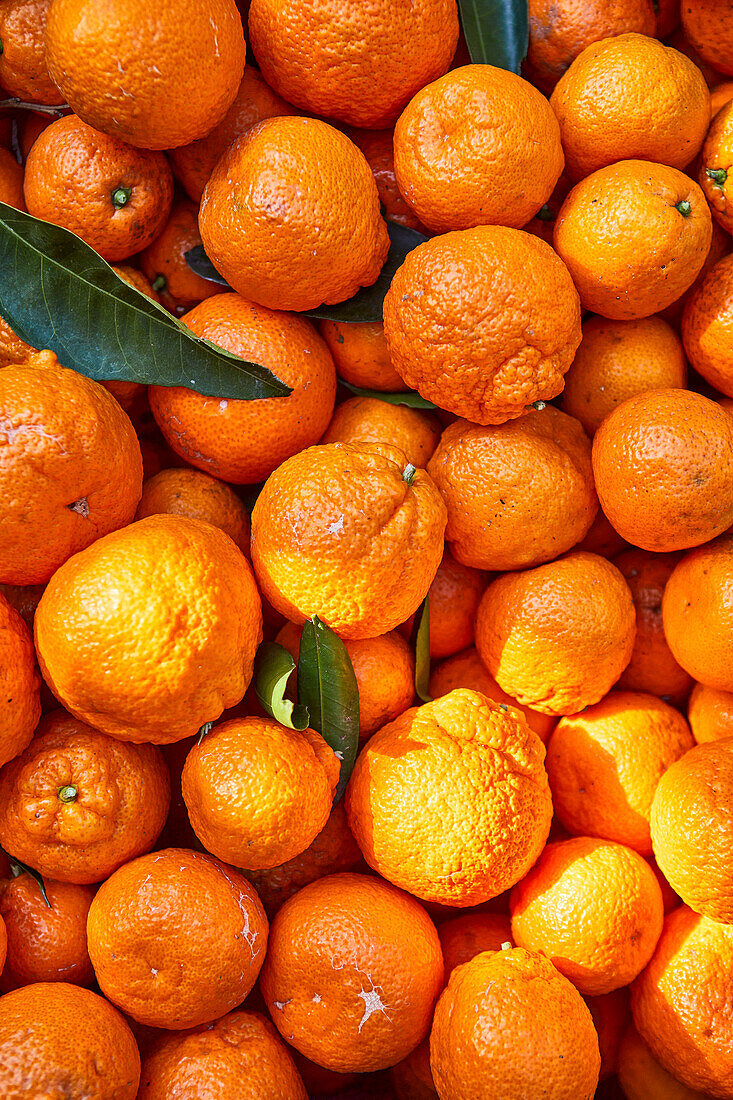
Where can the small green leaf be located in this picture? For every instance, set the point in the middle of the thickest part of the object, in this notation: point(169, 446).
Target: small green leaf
point(273, 667)
point(201, 265)
point(496, 31)
point(421, 642)
point(57, 293)
point(327, 686)
point(412, 399)
point(17, 868)
point(206, 728)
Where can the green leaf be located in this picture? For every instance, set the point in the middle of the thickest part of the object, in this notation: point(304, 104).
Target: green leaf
point(57, 293)
point(421, 641)
point(496, 31)
point(201, 265)
point(273, 667)
point(17, 868)
point(412, 399)
point(327, 687)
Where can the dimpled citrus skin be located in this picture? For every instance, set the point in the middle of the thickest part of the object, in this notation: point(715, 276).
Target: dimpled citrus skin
point(378, 148)
point(23, 71)
point(559, 636)
point(151, 631)
point(20, 705)
point(355, 61)
point(255, 100)
point(164, 261)
point(454, 598)
point(337, 532)
point(70, 467)
point(45, 944)
point(642, 1078)
point(697, 611)
point(57, 1040)
point(517, 494)
point(707, 25)
point(240, 1055)
point(196, 495)
point(360, 354)
point(716, 163)
point(11, 180)
point(630, 250)
point(604, 765)
point(561, 29)
point(593, 908)
point(352, 973)
point(290, 215)
point(258, 794)
point(451, 801)
point(707, 326)
point(692, 829)
point(681, 1002)
point(12, 348)
point(101, 56)
point(464, 937)
point(71, 175)
point(176, 938)
point(483, 322)
point(710, 714)
point(617, 359)
point(120, 806)
point(369, 420)
point(244, 441)
point(508, 1025)
point(630, 97)
point(663, 467)
point(652, 667)
point(466, 151)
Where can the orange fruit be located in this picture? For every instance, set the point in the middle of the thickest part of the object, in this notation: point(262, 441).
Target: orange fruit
point(642, 1078)
point(707, 326)
point(610, 1014)
point(518, 493)
point(23, 71)
point(681, 1002)
point(629, 97)
point(20, 706)
point(30, 126)
point(617, 360)
point(559, 30)
point(57, 1039)
point(196, 495)
point(652, 667)
point(244, 441)
point(114, 197)
point(176, 938)
point(710, 714)
point(350, 62)
point(24, 599)
point(678, 447)
point(193, 597)
point(164, 261)
point(384, 668)
point(604, 766)
point(602, 538)
point(370, 420)
point(467, 670)
point(452, 336)
point(634, 236)
point(11, 180)
point(70, 469)
point(258, 794)
point(378, 148)
point(352, 973)
point(321, 243)
point(77, 804)
point(510, 1025)
point(239, 1055)
point(255, 101)
point(462, 759)
point(102, 61)
point(46, 943)
point(466, 151)
point(454, 598)
point(692, 829)
point(464, 937)
point(559, 636)
point(715, 165)
point(360, 354)
point(360, 554)
point(707, 25)
point(593, 908)
point(719, 96)
point(720, 246)
point(334, 850)
point(12, 349)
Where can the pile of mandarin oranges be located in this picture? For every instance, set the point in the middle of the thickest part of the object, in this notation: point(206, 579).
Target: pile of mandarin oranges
point(506, 495)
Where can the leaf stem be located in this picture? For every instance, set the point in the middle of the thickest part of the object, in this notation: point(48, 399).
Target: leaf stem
point(15, 104)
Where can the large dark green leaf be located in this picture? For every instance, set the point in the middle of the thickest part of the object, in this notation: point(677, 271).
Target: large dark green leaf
point(273, 668)
point(57, 293)
point(410, 398)
point(201, 265)
point(421, 640)
point(496, 31)
point(327, 687)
